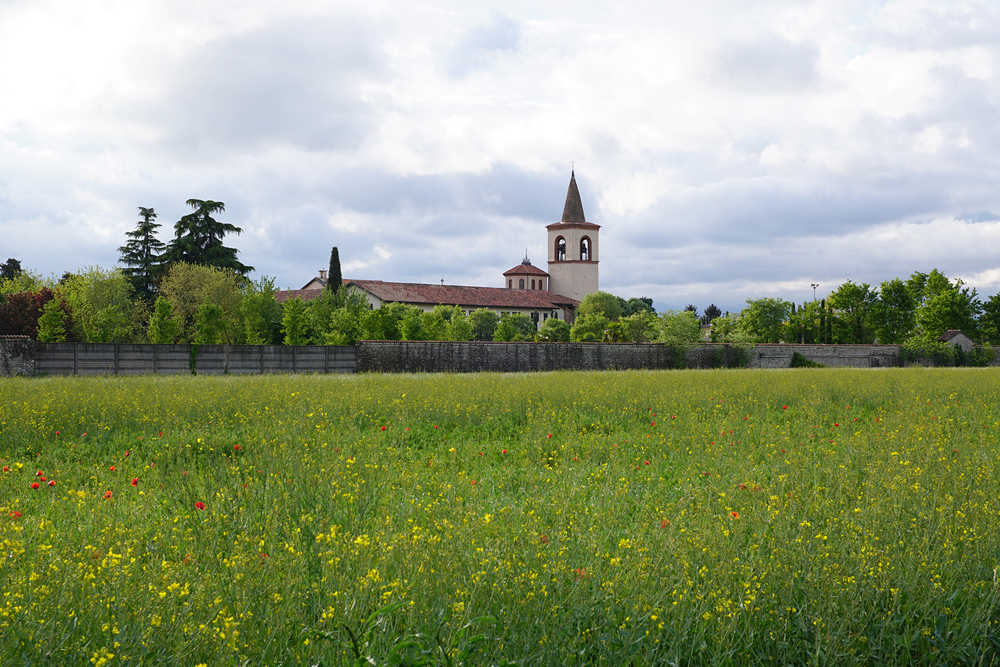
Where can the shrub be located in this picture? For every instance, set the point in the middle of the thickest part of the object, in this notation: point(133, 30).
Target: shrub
point(799, 361)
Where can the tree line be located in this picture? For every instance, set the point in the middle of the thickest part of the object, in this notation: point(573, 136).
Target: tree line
point(194, 289)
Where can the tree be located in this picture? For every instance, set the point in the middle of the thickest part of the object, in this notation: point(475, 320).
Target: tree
point(459, 327)
point(951, 308)
point(638, 305)
point(345, 321)
point(853, 305)
point(710, 314)
point(894, 314)
point(294, 323)
point(763, 319)
point(187, 286)
point(989, 322)
point(335, 279)
point(553, 330)
point(484, 323)
point(10, 269)
point(105, 309)
point(209, 324)
point(383, 322)
point(52, 323)
point(600, 303)
point(198, 239)
point(679, 328)
point(588, 328)
point(639, 327)
point(164, 326)
point(515, 327)
point(141, 254)
point(19, 313)
point(411, 324)
point(261, 313)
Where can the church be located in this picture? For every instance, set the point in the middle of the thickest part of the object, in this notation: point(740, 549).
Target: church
point(572, 274)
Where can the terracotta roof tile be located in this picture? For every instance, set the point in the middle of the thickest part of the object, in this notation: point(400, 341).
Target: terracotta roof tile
point(527, 269)
point(465, 296)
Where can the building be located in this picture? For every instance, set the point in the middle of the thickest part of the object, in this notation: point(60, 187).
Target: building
point(527, 289)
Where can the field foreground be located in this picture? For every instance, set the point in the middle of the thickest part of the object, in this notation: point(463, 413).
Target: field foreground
point(705, 517)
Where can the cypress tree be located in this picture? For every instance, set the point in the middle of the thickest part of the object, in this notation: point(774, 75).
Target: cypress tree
point(334, 277)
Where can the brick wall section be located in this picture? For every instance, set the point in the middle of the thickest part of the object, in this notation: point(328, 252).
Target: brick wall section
point(17, 356)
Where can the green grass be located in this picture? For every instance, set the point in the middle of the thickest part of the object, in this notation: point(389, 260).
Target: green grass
point(706, 517)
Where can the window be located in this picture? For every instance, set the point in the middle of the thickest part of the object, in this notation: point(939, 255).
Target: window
point(585, 249)
point(520, 284)
point(532, 283)
point(560, 249)
point(510, 284)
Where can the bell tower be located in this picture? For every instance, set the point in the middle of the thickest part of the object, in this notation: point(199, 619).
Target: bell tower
point(573, 249)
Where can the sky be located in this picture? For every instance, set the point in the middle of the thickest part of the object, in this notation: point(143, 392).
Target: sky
point(729, 149)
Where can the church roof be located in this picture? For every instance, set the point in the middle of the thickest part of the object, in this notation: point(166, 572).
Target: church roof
point(465, 296)
point(525, 268)
point(573, 209)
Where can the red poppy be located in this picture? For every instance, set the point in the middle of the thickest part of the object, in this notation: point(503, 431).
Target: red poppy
point(782, 451)
point(127, 452)
point(664, 524)
point(160, 434)
point(784, 407)
point(135, 481)
point(383, 428)
point(653, 424)
point(6, 468)
point(39, 473)
point(645, 463)
point(35, 485)
point(43, 478)
point(236, 448)
point(57, 432)
point(52, 483)
point(576, 458)
point(199, 505)
point(742, 486)
point(543, 539)
point(836, 424)
point(112, 468)
point(734, 514)
point(15, 515)
point(107, 495)
point(504, 451)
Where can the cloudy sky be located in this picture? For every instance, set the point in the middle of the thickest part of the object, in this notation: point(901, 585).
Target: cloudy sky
point(729, 149)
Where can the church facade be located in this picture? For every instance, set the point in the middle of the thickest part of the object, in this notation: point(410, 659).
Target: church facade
point(572, 274)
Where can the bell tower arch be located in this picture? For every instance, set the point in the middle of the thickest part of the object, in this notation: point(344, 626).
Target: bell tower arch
point(573, 249)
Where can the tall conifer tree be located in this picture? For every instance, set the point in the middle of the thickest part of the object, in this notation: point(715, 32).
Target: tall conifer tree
point(141, 254)
point(335, 278)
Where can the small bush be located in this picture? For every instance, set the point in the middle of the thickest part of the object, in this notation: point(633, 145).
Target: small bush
point(799, 361)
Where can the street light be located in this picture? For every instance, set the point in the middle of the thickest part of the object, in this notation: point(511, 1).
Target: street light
point(814, 286)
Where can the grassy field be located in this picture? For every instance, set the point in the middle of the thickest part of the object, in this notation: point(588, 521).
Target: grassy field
point(685, 517)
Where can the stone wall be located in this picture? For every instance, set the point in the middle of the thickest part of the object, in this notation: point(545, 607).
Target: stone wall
point(17, 356)
point(125, 359)
point(471, 357)
point(20, 356)
point(839, 356)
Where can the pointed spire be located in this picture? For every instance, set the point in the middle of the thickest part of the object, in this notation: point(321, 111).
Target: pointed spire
point(526, 260)
point(573, 210)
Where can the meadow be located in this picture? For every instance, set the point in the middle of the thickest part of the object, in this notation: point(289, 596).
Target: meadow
point(679, 517)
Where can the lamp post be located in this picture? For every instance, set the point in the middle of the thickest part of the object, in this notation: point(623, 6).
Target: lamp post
point(814, 286)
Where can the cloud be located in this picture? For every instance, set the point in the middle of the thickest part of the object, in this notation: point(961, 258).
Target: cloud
point(482, 44)
point(295, 82)
point(767, 64)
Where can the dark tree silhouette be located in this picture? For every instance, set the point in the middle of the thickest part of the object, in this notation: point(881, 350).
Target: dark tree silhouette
point(334, 278)
point(141, 254)
point(10, 269)
point(198, 239)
